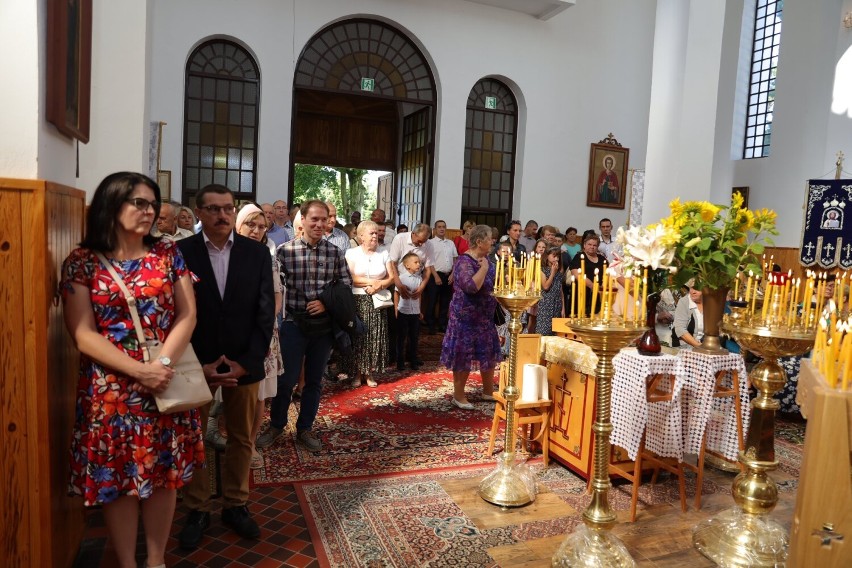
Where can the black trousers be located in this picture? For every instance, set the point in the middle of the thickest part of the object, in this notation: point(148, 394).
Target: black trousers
point(440, 296)
point(407, 327)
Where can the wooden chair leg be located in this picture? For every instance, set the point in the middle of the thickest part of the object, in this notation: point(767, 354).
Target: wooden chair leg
point(494, 425)
point(699, 481)
point(637, 480)
point(738, 411)
point(545, 438)
point(655, 475)
point(682, 485)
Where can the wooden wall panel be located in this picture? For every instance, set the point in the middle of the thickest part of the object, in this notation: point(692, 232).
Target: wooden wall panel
point(40, 223)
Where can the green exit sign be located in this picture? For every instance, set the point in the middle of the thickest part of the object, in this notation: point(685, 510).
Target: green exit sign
point(491, 103)
point(368, 84)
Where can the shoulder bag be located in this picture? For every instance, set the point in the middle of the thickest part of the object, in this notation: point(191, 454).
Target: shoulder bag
point(382, 299)
point(188, 388)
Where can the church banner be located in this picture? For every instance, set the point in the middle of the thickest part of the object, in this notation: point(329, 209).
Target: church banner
point(827, 234)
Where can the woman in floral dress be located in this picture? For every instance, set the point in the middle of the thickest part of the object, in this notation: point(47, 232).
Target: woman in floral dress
point(471, 335)
point(125, 455)
point(550, 305)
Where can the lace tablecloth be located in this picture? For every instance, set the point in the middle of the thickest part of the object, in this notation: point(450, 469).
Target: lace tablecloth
point(571, 354)
point(677, 427)
point(631, 410)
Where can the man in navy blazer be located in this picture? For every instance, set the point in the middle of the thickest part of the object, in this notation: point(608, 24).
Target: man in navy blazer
point(236, 309)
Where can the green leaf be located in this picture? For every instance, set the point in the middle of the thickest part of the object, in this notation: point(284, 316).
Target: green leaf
point(758, 248)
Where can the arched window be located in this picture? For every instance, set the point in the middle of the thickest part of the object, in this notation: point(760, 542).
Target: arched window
point(764, 67)
point(489, 153)
point(221, 119)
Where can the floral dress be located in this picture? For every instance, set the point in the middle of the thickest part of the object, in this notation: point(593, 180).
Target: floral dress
point(550, 305)
point(122, 445)
point(471, 334)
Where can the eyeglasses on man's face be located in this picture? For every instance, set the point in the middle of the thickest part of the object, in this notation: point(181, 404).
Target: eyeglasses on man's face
point(143, 204)
point(215, 209)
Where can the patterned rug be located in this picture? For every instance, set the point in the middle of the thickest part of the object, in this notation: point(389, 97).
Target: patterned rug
point(409, 520)
point(407, 423)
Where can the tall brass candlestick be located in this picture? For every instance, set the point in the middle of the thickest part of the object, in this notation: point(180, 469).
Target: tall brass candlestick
point(507, 486)
point(592, 544)
point(746, 535)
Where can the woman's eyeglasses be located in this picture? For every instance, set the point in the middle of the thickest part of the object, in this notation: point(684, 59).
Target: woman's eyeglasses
point(252, 226)
point(143, 204)
point(214, 209)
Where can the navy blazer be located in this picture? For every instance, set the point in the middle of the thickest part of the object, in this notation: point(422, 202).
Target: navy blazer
point(240, 324)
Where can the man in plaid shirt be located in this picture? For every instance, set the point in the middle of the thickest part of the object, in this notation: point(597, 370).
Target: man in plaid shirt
point(307, 264)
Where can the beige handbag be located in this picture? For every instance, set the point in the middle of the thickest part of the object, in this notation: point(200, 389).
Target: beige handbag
point(382, 299)
point(188, 388)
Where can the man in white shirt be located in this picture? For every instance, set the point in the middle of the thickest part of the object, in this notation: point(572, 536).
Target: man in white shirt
point(607, 245)
point(167, 222)
point(416, 241)
point(528, 238)
point(439, 290)
point(332, 233)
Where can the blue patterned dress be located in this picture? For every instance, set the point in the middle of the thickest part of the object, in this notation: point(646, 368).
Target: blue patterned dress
point(471, 334)
point(550, 305)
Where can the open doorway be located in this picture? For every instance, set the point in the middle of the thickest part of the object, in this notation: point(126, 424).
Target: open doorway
point(354, 191)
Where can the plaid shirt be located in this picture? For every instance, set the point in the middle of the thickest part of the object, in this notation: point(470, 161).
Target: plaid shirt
point(307, 270)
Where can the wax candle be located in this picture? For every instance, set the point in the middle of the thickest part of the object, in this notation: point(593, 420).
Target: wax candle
point(595, 291)
point(538, 273)
point(644, 294)
point(748, 284)
point(582, 286)
point(767, 297)
point(573, 293)
point(627, 278)
point(737, 287)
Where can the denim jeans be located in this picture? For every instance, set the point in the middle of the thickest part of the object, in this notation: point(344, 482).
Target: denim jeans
point(296, 348)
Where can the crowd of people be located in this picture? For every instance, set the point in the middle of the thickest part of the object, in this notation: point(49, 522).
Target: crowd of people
point(249, 289)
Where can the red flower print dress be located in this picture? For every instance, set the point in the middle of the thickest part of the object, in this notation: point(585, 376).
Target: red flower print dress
point(122, 445)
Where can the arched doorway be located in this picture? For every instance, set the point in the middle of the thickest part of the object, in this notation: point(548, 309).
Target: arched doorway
point(364, 97)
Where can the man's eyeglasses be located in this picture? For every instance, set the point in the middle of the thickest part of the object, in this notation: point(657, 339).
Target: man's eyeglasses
point(255, 227)
point(214, 209)
point(143, 204)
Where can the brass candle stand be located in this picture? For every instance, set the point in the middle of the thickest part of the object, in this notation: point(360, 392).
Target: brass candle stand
point(592, 544)
point(511, 485)
point(746, 535)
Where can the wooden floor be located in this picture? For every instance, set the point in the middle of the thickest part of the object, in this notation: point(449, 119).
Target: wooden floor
point(661, 535)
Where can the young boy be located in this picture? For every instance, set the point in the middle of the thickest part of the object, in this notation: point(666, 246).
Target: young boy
point(407, 312)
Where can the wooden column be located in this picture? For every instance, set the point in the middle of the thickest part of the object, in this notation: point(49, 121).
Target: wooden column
point(40, 223)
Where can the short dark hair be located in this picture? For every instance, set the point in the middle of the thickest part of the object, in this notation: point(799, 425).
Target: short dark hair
point(101, 234)
point(531, 222)
point(569, 229)
point(212, 188)
point(511, 224)
point(303, 209)
point(410, 255)
point(604, 219)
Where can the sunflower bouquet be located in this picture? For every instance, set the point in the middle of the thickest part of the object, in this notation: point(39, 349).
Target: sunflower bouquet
point(715, 241)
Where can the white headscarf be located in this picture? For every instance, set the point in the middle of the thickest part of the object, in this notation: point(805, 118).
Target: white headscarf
point(246, 210)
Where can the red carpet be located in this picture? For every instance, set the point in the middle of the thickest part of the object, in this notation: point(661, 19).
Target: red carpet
point(407, 423)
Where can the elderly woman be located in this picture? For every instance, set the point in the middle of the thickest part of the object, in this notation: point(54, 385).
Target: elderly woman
point(689, 319)
point(251, 223)
point(125, 455)
point(462, 241)
point(186, 219)
point(372, 272)
point(471, 335)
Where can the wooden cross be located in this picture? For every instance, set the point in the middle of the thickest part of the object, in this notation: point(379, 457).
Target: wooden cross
point(827, 536)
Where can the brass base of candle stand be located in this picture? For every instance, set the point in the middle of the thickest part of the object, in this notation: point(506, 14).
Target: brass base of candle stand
point(746, 535)
point(511, 485)
point(592, 545)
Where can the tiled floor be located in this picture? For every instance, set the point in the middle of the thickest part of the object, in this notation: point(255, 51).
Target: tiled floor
point(284, 538)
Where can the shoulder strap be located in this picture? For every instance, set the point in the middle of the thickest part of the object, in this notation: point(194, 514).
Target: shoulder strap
point(131, 303)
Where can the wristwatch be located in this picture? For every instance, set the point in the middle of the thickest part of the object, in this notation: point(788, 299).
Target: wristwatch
point(165, 361)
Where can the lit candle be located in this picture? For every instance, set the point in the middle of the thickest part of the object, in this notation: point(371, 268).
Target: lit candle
point(644, 293)
point(627, 278)
point(754, 295)
point(737, 287)
point(573, 293)
point(595, 291)
point(538, 273)
point(785, 297)
point(748, 284)
point(767, 297)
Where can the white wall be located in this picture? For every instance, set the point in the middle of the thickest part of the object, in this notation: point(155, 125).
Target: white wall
point(30, 148)
point(118, 137)
point(583, 74)
point(805, 135)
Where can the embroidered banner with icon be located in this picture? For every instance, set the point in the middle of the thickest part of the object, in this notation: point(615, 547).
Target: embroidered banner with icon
point(827, 233)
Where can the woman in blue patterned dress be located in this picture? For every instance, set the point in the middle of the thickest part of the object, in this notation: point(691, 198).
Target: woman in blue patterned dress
point(471, 335)
point(125, 455)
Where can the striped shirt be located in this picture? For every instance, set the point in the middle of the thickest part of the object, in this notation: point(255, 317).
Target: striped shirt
point(308, 269)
